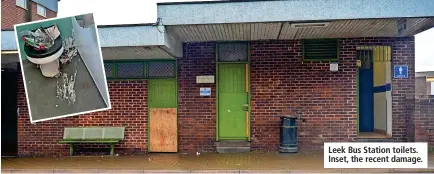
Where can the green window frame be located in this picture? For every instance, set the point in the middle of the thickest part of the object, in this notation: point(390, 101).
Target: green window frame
point(315, 50)
point(113, 73)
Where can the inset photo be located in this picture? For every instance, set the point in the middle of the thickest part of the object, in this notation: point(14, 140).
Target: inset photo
point(62, 67)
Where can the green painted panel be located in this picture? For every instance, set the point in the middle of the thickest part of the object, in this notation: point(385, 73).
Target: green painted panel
point(232, 96)
point(64, 25)
point(162, 93)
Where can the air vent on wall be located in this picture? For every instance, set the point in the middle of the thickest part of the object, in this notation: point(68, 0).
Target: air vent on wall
point(320, 49)
point(305, 25)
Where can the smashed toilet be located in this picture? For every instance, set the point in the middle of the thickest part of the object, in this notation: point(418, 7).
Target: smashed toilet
point(43, 47)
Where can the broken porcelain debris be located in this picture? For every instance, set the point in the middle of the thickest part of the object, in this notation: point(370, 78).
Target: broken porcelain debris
point(70, 50)
point(65, 89)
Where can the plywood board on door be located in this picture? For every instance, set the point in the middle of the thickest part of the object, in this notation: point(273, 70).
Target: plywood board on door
point(163, 130)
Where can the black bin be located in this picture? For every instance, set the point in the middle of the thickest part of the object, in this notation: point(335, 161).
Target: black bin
point(288, 134)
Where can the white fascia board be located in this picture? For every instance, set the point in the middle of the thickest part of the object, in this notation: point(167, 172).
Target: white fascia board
point(291, 10)
point(130, 36)
point(143, 36)
point(171, 44)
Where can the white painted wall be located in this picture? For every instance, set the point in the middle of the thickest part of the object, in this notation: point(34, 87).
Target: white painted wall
point(88, 46)
point(432, 88)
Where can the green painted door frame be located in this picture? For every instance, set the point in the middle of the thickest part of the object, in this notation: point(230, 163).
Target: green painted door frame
point(247, 117)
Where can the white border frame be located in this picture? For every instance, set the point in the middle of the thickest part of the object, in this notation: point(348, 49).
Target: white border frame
point(24, 78)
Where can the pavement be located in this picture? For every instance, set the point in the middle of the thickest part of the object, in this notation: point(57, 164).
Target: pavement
point(254, 162)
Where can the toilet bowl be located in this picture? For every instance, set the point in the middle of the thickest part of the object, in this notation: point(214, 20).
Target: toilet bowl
point(48, 59)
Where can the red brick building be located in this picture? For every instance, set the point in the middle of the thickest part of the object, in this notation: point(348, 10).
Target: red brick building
point(17, 11)
point(230, 74)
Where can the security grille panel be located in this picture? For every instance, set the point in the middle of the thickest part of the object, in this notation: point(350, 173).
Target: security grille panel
point(108, 67)
point(365, 57)
point(130, 70)
point(233, 52)
point(161, 69)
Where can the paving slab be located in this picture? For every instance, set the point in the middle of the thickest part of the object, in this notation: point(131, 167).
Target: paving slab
point(254, 162)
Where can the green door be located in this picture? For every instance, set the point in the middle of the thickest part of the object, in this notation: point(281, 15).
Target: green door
point(233, 101)
point(162, 93)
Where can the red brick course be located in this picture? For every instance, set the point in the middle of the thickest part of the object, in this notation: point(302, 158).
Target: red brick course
point(280, 84)
point(196, 114)
point(12, 14)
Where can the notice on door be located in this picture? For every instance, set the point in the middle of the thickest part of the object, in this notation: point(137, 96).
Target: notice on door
point(375, 155)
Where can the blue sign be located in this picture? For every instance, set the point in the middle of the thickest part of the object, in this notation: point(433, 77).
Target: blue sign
point(400, 71)
point(205, 91)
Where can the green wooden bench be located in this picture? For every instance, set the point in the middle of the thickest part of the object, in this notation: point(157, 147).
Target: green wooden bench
point(103, 135)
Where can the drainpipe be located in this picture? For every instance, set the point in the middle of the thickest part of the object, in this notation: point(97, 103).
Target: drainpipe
point(28, 13)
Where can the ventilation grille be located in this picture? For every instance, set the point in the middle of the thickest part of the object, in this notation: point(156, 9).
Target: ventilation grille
point(140, 69)
point(130, 70)
point(109, 70)
point(161, 69)
point(320, 49)
point(233, 52)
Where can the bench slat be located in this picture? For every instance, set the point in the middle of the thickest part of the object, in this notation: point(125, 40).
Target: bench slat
point(88, 141)
point(93, 133)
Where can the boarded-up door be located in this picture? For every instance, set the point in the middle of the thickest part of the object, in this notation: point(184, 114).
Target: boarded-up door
point(162, 115)
point(233, 101)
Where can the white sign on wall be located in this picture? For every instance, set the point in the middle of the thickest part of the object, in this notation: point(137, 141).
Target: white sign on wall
point(205, 91)
point(205, 79)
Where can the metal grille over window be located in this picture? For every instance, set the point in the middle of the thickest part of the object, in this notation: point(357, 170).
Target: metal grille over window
point(365, 57)
point(130, 70)
point(233, 52)
point(108, 67)
point(161, 69)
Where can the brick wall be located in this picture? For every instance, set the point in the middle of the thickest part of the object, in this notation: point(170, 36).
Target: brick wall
point(424, 119)
point(129, 108)
point(196, 114)
point(281, 84)
point(12, 14)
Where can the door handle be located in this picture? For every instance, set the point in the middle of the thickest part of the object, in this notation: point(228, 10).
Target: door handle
point(246, 107)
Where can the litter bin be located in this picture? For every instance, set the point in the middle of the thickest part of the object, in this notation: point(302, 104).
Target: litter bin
point(288, 135)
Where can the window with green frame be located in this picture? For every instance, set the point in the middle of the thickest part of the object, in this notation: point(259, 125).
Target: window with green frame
point(320, 49)
point(140, 69)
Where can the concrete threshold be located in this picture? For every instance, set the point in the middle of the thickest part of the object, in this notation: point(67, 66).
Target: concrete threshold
point(427, 170)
